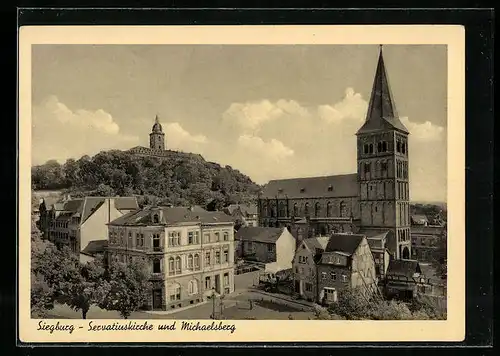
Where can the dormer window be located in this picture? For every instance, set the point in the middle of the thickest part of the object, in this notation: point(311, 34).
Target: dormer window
point(156, 219)
point(330, 188)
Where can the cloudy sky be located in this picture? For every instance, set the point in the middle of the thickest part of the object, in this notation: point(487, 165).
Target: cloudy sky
point(269, 111)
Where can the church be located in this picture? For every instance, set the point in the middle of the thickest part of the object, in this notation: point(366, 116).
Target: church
point(374, 201)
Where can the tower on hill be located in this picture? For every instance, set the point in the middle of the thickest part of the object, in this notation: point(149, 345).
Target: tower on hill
point(382, 157)
point(157, 136)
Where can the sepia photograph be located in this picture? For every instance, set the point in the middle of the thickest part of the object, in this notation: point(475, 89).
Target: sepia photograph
point(205, 184)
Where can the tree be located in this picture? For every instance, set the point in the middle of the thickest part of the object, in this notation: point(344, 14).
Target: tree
point(128, 287)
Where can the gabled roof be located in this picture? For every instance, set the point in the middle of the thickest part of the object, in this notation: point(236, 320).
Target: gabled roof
point(419, 219)
point(347, 243)
point(95, 247)
point(382, 113)
point(406, 268)
point(314, 243)
point(259, 234)
point(172, 216)
point(246, 209)
point(345, 185)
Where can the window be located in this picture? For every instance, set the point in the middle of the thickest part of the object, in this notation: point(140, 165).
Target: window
point(207, 258)
point(175, 292)
point(156, 219)
point(226, 236)
point(217, 257)
point(384, 146)
point(217, 236)
point(196, 261)
point(344, 278)
point(208, 283)
point(317, 208)
point(295, 210)
point(206, 238)
point(379, 147)
point(171, 266)
point(330, 188)
point(192, 237)
point(371, 148)
point(343, 209)
point(225, 256)
point(365, 149)
point(226, 279)
point(302, 190)
point(296, 269)
point(137, 240)
point(281, 209)
point(270, 248)
point(403, 148)
point(398, 147)
point(174, 238)
point(156, 242)
point(178, 265)
point(383, 166)
point(190, 262)
point(323, 275)
point(156, 265)
point(193, 287)
point(333, 275)
point(309, 287)
point(306, 209)
point(367, 167)
point(328, 209)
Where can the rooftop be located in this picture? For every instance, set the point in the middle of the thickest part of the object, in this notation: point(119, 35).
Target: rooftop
point(259, 234)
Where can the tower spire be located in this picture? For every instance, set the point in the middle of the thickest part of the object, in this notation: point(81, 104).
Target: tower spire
point(381, 112)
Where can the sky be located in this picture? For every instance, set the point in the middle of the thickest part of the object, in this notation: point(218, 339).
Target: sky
point(270, 111)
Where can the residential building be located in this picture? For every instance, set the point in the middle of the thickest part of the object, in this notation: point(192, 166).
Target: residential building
point(405, 278)
point(380, 252)
point(346, 263)
point(189, 252)
point(77, 222)
point(425, 241)
point(267, 245)
point(375, 198)
point(244, 214)
point(305, 262)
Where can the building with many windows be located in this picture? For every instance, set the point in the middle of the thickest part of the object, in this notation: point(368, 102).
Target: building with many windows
point(371, 201)
point(190, 252)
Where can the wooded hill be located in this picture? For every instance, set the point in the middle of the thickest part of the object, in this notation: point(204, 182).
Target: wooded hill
point(182, 179)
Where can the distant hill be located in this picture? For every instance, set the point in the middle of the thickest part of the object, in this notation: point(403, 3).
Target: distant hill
point(181, 179)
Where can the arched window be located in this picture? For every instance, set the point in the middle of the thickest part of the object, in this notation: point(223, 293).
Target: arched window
point(295, 210)
point(329, 209)
point(403, 148)
point(178, 265)
point(171, 266)
point(367, 167)
point(190, 262)
point(282, 209)
point(196, 261)
point(193, 286)
point(343, 209)
point(306, 209)
point(317, 209)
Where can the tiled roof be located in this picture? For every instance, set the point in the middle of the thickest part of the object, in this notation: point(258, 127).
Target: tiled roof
point(259, 234)
point(94, 247)
point(405, 268)
point(126, 203)
point(319, 242)
point(344, 243)
point(382, 113)
point(345, 185)
point(172, 216)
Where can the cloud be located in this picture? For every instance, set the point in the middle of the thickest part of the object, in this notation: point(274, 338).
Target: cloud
point(426, 131)
point(177, 138)
point(61, 133)
point(351, 107)
point(273, 149)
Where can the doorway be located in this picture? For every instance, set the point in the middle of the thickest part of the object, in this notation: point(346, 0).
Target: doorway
point(157, 298)
point(406, 253)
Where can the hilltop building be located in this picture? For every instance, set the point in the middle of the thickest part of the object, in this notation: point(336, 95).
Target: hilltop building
point(373, 201)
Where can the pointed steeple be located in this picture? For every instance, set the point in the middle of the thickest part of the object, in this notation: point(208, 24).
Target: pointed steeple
point(381, 114)
point(157, 126)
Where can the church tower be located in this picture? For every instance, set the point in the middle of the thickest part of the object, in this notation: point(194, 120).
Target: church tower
point(382, 150)
point(157, 137)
